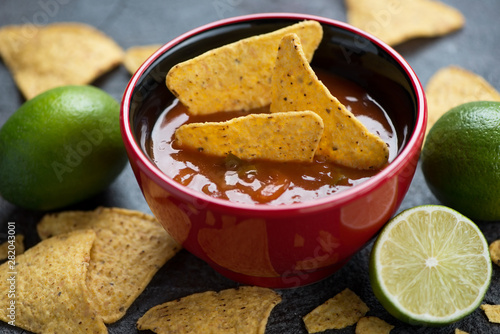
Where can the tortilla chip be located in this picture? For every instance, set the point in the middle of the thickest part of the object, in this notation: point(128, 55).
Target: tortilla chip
point(291, 136)
point(341, 311)
point(12, 247)
point(373, 325)
point(129, 249)
point(397, 21)
point(492, 312)
point(135, 56)
point(13, 38)
point(236, 76)
point(458, 331)
point(452, 86)
point(242, 310)
point(495, 252)
point(50, 294)
point(56, 55)
point(346, 140)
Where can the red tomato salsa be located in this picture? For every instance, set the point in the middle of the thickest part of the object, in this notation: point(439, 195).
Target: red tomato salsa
point(265, 181)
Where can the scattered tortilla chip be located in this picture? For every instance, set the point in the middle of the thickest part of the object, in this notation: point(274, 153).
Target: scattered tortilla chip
point(129, 249)
point(236, 76)
point(50, 294)
point(291, 136)
point(495, 252)
point(452, 86)
point(16, 246)
point(135, 56)
point(397, 21)
point(373, 325)
point(345, 140)
point(458, 331)
point(242, 310)
point(57, 54)
point(13, 38)
point(492, 312)
point(343, 310)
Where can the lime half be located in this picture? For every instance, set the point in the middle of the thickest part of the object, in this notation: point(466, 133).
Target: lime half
point(430, 266)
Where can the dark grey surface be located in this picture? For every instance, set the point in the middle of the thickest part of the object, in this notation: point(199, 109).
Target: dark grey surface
point(131, 23)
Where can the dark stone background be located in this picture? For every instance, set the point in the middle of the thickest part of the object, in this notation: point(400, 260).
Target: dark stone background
point(130, 23)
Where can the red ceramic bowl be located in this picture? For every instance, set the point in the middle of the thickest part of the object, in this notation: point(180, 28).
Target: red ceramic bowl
point(287, 245)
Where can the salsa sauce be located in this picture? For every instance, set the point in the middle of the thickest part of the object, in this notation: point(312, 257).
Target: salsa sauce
point(261, 181)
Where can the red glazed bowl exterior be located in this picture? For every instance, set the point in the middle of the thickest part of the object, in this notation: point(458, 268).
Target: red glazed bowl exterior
point(288, 245)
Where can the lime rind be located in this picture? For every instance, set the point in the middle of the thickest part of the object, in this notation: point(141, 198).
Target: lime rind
point(67, 141)
point(460, 160)
point(452, 288)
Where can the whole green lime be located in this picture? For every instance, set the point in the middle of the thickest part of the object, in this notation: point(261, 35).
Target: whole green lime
point(61, 147)
point(461, 159)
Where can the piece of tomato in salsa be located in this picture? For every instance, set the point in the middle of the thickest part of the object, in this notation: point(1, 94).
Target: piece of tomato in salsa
point(266, 182)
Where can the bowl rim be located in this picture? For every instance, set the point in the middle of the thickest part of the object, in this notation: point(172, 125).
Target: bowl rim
point(403, 158)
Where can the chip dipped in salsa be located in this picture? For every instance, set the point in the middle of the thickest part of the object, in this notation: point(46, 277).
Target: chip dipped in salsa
point(262, 181)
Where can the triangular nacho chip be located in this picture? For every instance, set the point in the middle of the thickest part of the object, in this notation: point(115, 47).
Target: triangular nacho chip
point(45, 292)
point(492, 312)
point(13, 38)
point(129, 249)
point(452, 86)
point(494, 249)
point(373, 325)
point(397, 21)
point(242, 310)
point(345, 140)
point(276, 137)
point(459, 331)
point(343, 310)
point(57, 54)
point(236, 76)
point(136, 55)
